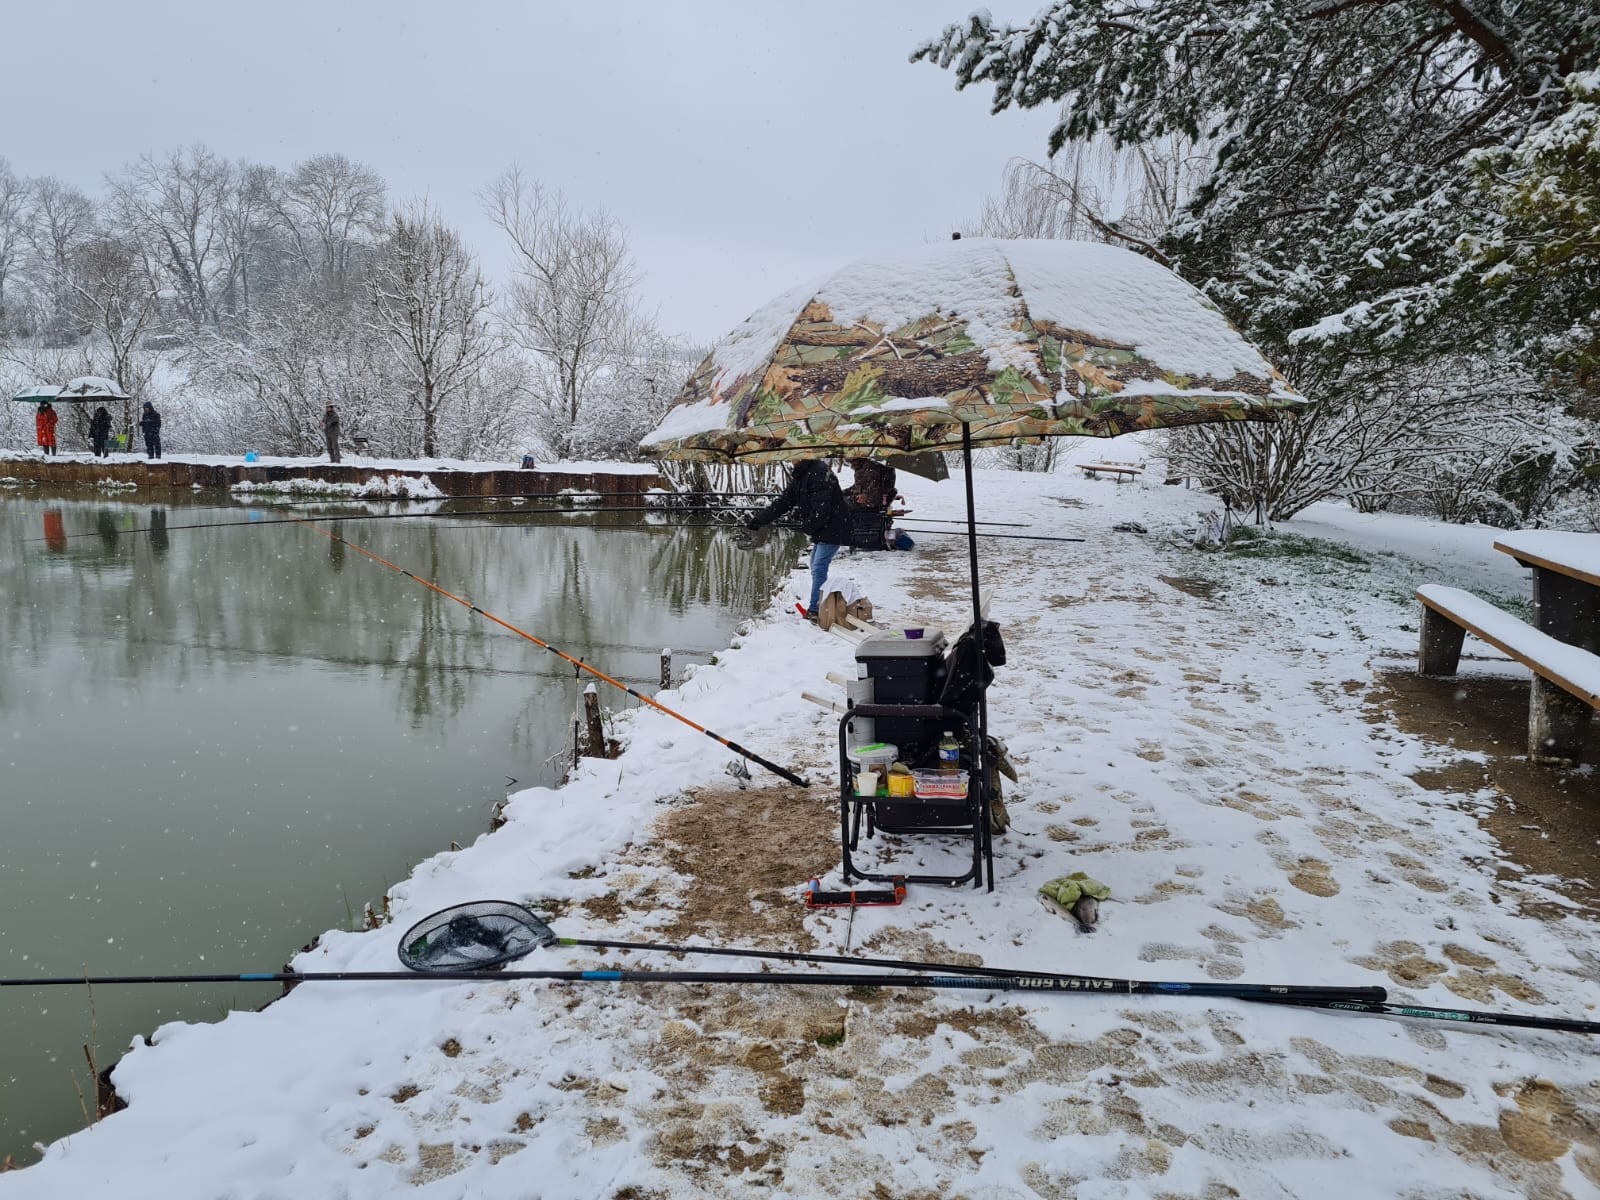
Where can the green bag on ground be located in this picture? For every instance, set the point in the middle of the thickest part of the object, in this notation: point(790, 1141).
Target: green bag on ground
point(1067, 890)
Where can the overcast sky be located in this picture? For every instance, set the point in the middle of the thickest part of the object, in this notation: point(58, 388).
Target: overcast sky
point(745, 144)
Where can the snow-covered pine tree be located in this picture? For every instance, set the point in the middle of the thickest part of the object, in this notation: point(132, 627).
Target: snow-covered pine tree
point(1348, 174)
point(1345, 129)
point(1540, 257)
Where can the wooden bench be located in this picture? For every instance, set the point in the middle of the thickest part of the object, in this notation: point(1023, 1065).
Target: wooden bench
point(1120, 470)
point(1566, 678)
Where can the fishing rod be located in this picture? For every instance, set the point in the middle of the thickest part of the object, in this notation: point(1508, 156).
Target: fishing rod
point(1464, 1015)
point(482, 933)
point(462, 942)
point(999, 982)
point(504, 514)
point(1019, 537)
point(416, 516)
point(1069, 982)
point(781, 772)
point(657, 493)
point(479, 933)
point(640, 525)
point(965, 978)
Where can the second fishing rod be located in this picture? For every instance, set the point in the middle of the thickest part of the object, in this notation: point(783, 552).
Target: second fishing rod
point(576, 510)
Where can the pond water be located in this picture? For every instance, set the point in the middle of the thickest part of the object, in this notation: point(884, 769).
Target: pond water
point(217, 742)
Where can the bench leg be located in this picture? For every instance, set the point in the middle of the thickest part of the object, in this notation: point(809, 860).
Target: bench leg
point(1558, 723)
point(1564, 608)
point(1439, 649)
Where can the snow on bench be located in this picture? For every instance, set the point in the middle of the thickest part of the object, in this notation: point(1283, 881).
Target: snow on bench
point(1122, 470)
point(1574, 554)
point(1566, 681)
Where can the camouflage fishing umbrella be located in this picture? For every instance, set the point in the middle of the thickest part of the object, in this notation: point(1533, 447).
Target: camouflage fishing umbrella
point(982, 341)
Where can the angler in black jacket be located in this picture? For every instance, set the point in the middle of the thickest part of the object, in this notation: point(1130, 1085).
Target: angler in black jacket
point(100, 431)
point(150, 426)
point(813, 491)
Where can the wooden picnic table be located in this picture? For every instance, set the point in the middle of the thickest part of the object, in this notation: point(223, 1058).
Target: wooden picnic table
point(1562, 648)
point(1566, 582)
point(1120, 470)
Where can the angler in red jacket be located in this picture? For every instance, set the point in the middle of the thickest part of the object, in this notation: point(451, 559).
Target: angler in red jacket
point(44, 424)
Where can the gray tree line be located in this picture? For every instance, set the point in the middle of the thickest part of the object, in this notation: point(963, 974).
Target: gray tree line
point(247, 297)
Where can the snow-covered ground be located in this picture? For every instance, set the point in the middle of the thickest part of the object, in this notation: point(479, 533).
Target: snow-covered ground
point(1191, 729)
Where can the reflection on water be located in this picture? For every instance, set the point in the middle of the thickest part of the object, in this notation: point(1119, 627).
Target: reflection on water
point(218, 742)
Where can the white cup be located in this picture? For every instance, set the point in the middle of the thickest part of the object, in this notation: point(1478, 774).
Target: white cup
point(866, 783)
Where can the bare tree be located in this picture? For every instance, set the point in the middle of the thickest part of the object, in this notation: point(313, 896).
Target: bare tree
point(173, 207)
point(644, 372)
point(111, 296)
point(570, 301)
point(60, 219)
point(430, 305)
point(303, 353)
point(488, 418)
point(1433, 437)
point(1129, 196)
point(247, 215)
point(329, 206)
point(13, 233)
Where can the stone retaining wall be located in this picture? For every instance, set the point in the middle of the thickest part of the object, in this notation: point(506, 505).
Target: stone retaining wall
point(183, 475)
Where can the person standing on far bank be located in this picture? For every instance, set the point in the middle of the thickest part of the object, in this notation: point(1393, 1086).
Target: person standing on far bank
point(100, 430)
point(44, 427)
point(150, 426)
point(330, 431)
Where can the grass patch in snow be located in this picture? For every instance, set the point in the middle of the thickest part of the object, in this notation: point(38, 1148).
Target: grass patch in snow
point(1249, 541)
point(1384, 575)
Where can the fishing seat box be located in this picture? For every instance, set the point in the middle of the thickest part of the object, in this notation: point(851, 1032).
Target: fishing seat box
point(905, 671)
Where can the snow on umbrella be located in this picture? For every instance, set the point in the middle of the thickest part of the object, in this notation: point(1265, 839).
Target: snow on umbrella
point(92, 387)
point(967, 343)
point(970, 343)
point(994, 341)
point(37, 394)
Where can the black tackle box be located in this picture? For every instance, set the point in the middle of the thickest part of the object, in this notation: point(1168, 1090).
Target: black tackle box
point(905, 671)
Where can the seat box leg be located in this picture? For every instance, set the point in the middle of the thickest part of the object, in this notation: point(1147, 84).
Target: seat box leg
point(1439, 648)
point(1558, 723)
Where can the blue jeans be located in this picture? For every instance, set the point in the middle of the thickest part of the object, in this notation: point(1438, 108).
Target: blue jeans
point(821, 557)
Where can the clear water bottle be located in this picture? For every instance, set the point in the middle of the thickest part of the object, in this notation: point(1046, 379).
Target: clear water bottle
point(949, 753)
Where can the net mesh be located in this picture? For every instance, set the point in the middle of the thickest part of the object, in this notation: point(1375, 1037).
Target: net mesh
point(473, 937)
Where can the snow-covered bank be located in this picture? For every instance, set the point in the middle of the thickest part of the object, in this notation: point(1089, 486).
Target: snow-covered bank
point(411, 487)
point(348, 460)
point(1191, 730)
point(356, 475)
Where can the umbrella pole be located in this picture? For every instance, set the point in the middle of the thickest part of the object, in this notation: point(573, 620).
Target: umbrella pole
point(980, 765)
